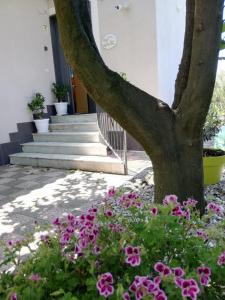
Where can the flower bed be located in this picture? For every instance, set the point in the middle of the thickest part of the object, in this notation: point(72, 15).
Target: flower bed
point(126, 249)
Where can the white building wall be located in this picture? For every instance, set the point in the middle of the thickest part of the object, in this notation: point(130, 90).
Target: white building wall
point(25, 66)
point(149, 41)
point(134, 28)
point(170, 18)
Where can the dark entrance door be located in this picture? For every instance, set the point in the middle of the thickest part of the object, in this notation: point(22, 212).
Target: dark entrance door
point(80, 102)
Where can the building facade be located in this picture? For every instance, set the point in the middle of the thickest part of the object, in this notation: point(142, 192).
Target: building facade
point(141, 38)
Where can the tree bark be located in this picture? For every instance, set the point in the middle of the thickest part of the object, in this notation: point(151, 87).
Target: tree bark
point(171, 137)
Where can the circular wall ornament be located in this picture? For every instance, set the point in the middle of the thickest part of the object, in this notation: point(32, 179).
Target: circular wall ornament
point(109, 41)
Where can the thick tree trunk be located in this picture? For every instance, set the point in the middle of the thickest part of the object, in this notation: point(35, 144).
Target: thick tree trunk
point(178, 170)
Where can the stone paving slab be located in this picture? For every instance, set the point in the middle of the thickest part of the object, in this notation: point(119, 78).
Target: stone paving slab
point(30, 195)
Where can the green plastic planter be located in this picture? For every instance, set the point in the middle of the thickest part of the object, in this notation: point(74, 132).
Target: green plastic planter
point(213, 167)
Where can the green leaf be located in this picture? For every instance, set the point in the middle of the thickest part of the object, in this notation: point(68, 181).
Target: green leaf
point(58, 293)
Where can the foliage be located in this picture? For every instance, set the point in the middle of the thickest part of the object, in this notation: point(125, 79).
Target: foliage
point(60, 92)
point(37, 105)
point(216, 115)
point(124, 250)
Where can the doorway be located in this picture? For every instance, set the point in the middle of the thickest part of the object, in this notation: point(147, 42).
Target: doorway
point(80, 101)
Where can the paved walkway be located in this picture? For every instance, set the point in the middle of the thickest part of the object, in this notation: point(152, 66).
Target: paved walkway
point(37, 195)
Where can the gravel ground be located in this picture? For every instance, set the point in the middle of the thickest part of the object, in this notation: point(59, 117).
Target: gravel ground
point(140, 183)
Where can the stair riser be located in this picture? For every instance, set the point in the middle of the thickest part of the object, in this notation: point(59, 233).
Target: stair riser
point(73, 127)
point(74, 118)
point(95, 150)
point(62, 164)
point(67, 138)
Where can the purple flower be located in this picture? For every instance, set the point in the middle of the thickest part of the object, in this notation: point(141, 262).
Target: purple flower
point(35, 277)
point(215, 208)
point(204, 273)
point(126, 296)
point(154, 211)
point(160, 295)
point(177, 211)
point(190, 203)
point(56, 222)
point(178, 272)
point(108, 213)
point(170, 199)
point(115, 227)
point(178, 281)
point(187, 214)
point(111, 192)
point(13, 296)
point(162, 269)
point(202, 234)
point(133, 256)
point(105, 285)
point(190, 289)
point(221, 259)
point(142, 286)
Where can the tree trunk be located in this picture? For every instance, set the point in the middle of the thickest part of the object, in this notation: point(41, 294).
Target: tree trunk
point(178, 169)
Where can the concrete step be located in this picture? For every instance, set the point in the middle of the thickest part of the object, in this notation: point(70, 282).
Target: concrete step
point(67, 137)
point(65, 148)
point(60, 161)
point(74, 127)
point(79, 118)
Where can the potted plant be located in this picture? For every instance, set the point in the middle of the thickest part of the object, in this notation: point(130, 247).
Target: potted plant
point(61, 94)
point(37, 108)
point(213, 159)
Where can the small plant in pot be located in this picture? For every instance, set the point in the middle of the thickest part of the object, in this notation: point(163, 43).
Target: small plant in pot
point(61, 94)
point(213, 159)
point(37, 108)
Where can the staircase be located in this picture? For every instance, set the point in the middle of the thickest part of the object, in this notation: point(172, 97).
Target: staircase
point(73, 142)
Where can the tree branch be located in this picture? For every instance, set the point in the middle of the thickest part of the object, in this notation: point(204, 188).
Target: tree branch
point(183, 73)
point(122, 100)
point(197, 96)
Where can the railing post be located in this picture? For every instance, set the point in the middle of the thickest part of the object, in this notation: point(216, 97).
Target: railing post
point(125, 152)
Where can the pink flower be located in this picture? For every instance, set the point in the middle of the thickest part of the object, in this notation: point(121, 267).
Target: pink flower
point(108, 213)
point(170, 199)
point(204, 273)
point(202, 234)
point(215, 208)
point(56, 222)
point(142, 286)
point(154, 211)
point(35, 277)
point(13, 296)
point(160, 295)
point(133, 256)
point(221, 259)
point(187, 214)
point(190, 203)
point(130, 200)
point(111, 192)
point(190, 289)
point(126, 296)
point(162, 269)
point(105, 285)
point(115, 227)
point(178, 281)
point(177, 211)
point(178, 272)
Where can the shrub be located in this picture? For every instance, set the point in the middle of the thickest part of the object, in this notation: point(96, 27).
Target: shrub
point(126, 249)
point(60, 92)
point(37, 105)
